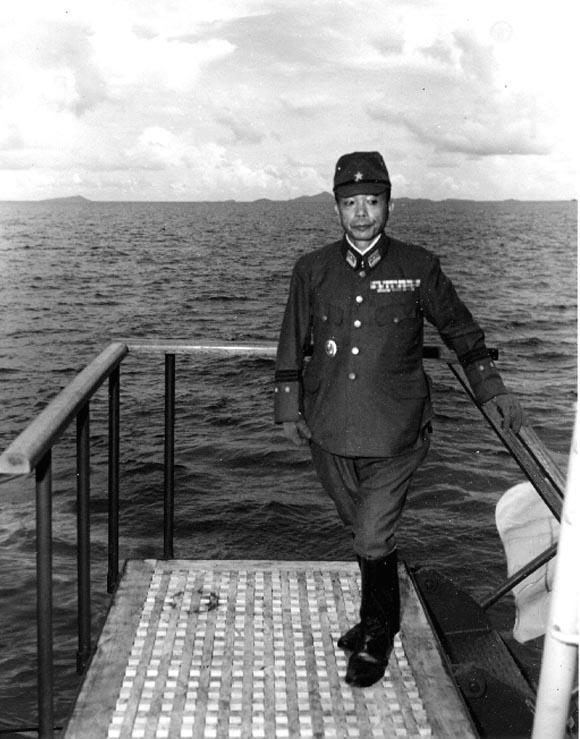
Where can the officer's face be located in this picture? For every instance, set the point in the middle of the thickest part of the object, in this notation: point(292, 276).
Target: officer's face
point(363, 217)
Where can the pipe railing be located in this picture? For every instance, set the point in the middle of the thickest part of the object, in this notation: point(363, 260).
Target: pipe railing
point(32, 451)
point(536, 463)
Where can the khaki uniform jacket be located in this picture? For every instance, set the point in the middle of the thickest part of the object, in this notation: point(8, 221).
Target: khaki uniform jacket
point(364, 391)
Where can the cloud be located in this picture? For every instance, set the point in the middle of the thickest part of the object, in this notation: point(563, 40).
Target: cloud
point(475, 59)
point(440, 51)
point(9, 136)
point(153, 66)
point(72, 64)
point(52, 62)
point(492, 134)
point(308, 105)
point(11, 161)
point(255, 98)
point(465, 106)
point(244, 130)
point(277, 41)
point(209, 166)
point(156, 148)
point(79, 87)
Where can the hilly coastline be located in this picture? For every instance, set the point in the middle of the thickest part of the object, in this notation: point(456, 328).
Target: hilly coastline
point(322, 197)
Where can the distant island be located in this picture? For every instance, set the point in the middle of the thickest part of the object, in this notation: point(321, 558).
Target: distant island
point(322, 197)
point(71, 199)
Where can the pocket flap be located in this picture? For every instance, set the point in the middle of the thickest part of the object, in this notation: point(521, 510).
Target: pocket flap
point(396, 312)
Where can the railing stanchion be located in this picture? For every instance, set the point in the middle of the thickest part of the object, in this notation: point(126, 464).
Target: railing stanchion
point(83, 538)
point(113, 520)
point(44, 595)
point(169, 492)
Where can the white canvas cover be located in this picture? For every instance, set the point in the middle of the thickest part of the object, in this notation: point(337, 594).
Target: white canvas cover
point(527, 528)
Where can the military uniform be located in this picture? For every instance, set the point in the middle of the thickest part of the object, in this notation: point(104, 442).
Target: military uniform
point(349, 376)
point(364, 392)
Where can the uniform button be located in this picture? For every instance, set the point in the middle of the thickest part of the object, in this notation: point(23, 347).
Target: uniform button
point(481, 367)
point(287, 389)
point(357, 323)
point(359, 299)
point(396, 319)
point(355, 350)
point(325, 318)
point(352, 376)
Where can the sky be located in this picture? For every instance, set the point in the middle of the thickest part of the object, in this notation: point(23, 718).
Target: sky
point(182, 100)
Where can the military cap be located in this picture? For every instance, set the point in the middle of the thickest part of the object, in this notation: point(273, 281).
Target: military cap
point(361, 172)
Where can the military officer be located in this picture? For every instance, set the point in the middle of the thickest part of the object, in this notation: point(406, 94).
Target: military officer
point(362, 399)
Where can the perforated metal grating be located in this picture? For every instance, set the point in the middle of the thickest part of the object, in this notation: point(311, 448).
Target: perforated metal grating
point(251, 653)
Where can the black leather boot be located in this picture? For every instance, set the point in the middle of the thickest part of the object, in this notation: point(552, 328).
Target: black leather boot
point(352, 640)
point(380, 613)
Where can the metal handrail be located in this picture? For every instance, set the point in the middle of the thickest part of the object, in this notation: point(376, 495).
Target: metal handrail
point(263, 348)
point(520, 576)
point(527, 449)
point(32, 451)
point(26, 451)
point(547, 482)
point(182, 346)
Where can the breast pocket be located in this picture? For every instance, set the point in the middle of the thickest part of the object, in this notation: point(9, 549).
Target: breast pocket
point(399, 334)
point(329, 314)
point(399, 313)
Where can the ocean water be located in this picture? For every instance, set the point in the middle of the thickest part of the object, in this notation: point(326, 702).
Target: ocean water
point(75, 276)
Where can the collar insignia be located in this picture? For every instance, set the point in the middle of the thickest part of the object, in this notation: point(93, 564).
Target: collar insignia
point(352, 261)
point(374, 258)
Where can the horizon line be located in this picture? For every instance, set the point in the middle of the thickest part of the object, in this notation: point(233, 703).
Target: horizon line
point(324, 194)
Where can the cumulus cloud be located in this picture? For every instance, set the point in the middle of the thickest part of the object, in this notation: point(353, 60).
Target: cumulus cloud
point(156, 148)
point(66, 50)
point(254, 98)
point(56, 63)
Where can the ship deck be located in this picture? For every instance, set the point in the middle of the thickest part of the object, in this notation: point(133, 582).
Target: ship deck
point(247, 649)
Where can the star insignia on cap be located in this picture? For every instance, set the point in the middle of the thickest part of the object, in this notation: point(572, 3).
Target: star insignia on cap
point(358, 176)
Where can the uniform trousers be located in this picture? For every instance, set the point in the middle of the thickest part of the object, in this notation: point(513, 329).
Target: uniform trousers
point(369, 493)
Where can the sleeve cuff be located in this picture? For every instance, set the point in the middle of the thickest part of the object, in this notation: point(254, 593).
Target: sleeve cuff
point(286, 401)
point(484, 379)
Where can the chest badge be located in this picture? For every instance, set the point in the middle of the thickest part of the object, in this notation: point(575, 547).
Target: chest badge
point(330, 347)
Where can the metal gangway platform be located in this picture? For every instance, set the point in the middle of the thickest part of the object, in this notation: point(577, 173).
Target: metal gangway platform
point(247, 649)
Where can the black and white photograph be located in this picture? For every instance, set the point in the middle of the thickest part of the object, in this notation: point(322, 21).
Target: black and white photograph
point(288, 369)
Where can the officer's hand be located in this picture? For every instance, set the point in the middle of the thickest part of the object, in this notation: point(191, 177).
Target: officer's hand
point(510, 411)
point(297, 431)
